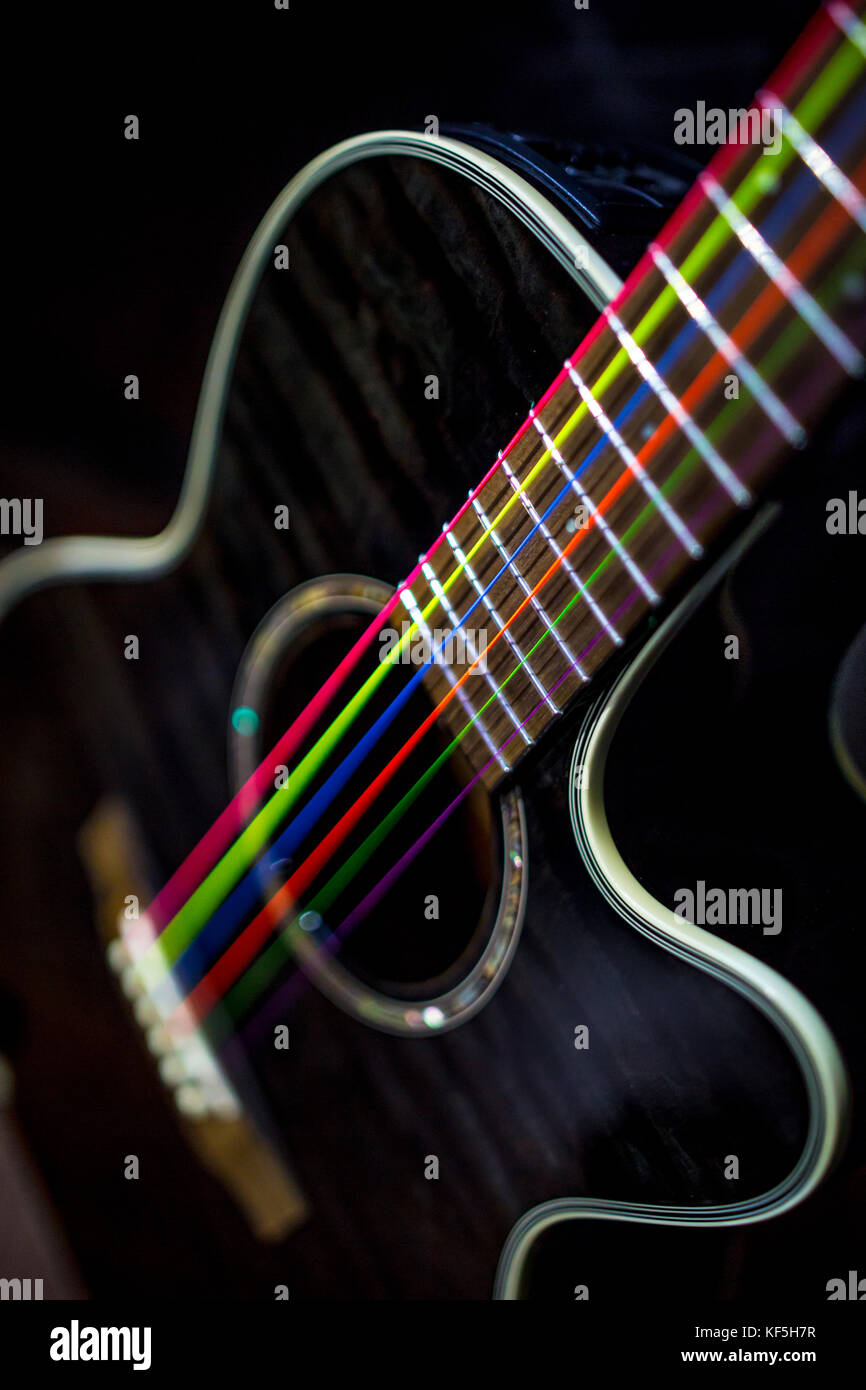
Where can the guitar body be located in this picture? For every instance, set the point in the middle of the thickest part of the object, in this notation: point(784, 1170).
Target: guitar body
point(430, 294)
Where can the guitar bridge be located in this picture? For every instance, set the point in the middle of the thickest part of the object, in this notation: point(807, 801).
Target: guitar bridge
point(211, 1117)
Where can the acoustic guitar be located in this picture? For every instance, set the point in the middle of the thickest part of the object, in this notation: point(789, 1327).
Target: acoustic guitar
point(516, 928)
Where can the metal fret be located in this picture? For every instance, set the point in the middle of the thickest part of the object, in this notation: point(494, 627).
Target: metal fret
point(606, 530)
point(536, 604)
point(783, 278)
point(455, 621)
point(698, 440)
point(765, 396)
point(817, 160)
point(475, 720)
point(692, 546)
point(595, 608)
point(852, 27)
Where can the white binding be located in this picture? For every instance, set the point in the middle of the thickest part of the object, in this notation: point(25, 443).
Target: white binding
point(800, 1024)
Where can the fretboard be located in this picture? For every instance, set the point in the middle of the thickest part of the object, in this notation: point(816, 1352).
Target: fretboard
point(726, 344)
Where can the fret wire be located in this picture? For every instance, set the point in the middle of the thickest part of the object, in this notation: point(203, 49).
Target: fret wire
point(603, 525)
point(834, 340)
point(482, 594)
point(513, 644)
point(817, 160)
point(511, 648)
point(765, 396)
point(674, 407)
point(575, 579)
point(792, 439)
point(821, 94)
point(475, 720)
point(852, 27)
point(463, 558)
point(611, 433)
point(535, 469)
point(535, 603)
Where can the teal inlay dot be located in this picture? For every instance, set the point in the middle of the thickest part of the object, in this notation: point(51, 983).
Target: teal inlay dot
point(245, 721)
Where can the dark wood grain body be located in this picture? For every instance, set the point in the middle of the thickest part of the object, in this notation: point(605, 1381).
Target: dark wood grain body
point(397, 272)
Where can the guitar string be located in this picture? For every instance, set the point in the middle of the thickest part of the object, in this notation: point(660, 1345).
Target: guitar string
point(173, 895)
point(282, 847)
point(263, 971)
point(380, 784)
point(316, 904)
point(377, 835)
point(289, 894)
point(509, 677)
point(807, 53)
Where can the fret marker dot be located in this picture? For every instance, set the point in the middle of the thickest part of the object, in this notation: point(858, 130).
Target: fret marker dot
point(245, 721)
point(309, 921)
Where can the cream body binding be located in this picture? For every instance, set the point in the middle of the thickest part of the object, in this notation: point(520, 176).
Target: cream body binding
point(802, 1027)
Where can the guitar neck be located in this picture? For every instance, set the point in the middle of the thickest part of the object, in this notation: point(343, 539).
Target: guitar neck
point(726, 344)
